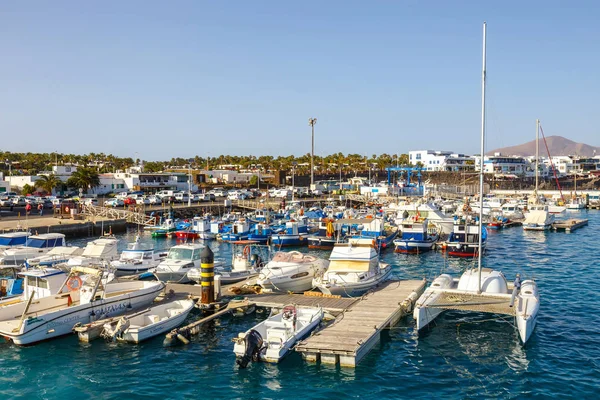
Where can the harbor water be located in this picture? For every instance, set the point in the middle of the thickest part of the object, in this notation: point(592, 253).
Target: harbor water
point(461, 356)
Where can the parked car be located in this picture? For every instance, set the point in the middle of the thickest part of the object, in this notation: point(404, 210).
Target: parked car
point(90, 201)
point(208, 197)
point(114, 203)
point(153, 199)
point(19, 201)
point(129, 201)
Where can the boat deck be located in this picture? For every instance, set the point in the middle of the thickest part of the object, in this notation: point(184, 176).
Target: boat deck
point(356, 331)
point(474, 302)
point(569, 225)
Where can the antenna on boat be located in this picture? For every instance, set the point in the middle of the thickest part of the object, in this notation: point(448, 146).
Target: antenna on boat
point(481, 171)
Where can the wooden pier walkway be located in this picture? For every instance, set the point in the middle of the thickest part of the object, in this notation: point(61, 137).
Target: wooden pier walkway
point(569, 225)
point(358, 329)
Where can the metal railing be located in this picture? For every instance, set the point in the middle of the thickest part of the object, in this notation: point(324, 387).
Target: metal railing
point(133, 217)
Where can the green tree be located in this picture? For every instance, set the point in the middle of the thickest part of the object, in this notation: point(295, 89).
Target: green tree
point(253, 180)
point(48, 182)
point(27, 189)
point(84, 178)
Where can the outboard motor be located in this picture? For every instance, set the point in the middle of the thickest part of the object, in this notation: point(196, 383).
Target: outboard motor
point(254, 342)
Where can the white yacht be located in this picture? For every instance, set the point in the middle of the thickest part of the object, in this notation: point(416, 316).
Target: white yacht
point(96, 251)
point(291, 272)
point(58, 255)
point(137, 259)
point(354, 268)
point(180, 259)
point(35, 246)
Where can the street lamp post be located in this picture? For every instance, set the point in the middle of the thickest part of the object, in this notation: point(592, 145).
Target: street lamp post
point(312, 122)
point(293, 173)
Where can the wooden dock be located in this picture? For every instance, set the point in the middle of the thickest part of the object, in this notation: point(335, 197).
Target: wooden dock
point(357, 330)
point(569, 225)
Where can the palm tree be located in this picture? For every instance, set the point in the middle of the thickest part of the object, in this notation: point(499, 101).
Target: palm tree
point(84, 178)
point(48, 182)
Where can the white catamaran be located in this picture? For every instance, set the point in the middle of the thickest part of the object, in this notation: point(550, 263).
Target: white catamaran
point(481, 289)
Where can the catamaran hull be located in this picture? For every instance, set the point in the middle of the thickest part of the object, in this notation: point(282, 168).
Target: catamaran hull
point(61, 322)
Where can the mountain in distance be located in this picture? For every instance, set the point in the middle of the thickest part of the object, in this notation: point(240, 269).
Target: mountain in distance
point(558, 145)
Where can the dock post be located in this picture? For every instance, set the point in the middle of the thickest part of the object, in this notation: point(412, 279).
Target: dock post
point(207, 275)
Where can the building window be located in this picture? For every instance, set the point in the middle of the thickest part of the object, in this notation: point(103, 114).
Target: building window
point(418, 156)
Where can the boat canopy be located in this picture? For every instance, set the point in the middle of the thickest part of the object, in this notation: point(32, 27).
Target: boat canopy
point(13, 238)
point(40, 243)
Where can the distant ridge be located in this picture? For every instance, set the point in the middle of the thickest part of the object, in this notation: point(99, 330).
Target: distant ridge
point(558, 145)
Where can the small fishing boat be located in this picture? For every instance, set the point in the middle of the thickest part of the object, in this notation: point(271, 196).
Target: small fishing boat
point(375, 228)
point(199, 229)
point(137, 259)
point(165, 228)
point(354, 269)
point(538, 218)
point(291, 272)
point(327, 235)
point(464, 239)
point(180, 259)
point(295, 234)
point(261, 233)
point(272, 339)
point(239, 230)
point(415, 236)
point(147, 324)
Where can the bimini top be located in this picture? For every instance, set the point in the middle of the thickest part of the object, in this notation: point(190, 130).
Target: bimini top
point(46, 240)
point(42, 272)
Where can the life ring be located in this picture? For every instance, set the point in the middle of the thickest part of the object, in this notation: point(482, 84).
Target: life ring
point(67, 209)
point(74, 283)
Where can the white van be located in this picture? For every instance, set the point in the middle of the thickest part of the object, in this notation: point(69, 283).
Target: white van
point(181, 197)
point(165, 193)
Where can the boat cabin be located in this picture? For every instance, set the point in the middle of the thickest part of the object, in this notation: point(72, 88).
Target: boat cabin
point(13, 239)
point(42, 282)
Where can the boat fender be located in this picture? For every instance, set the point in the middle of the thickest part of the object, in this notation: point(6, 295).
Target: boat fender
point(246, 251)
point(74, 283)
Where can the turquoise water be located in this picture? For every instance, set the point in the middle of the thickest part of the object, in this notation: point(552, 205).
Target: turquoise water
point(464, 356)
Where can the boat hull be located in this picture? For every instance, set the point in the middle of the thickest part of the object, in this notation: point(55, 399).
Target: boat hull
point(139, 334)
point(412, 246)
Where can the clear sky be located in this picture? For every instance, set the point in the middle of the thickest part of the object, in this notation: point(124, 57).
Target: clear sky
point(183, 78)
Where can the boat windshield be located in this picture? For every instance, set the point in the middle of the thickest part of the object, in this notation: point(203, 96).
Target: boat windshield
point(180, 254)
point(42, 243)
point(131, 255)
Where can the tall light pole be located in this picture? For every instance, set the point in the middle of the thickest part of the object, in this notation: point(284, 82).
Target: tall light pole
point(293, 173)
point(312, 122)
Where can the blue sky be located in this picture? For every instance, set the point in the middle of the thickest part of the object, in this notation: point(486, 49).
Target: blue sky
point(185, 78)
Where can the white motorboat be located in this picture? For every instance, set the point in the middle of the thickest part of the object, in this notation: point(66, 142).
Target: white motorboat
point(354, 268)
point(95, 252)
point(291, 272)
point(481, 289)
point(149, 323)
point(180, 259)
point(137, 259)
point(512, 211)
point(35, 246)
point(58, 255)
point(274, 338)
point(246, 262)
point(78, 301)
point(425, 210)
point(538, 218)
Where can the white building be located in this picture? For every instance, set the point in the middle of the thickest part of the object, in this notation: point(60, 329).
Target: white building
point(458, 162)
point(432, 160)
point(507, 166)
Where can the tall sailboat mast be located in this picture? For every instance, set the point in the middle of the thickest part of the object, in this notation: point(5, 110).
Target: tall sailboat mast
point(481, 154)
point(537, 158)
